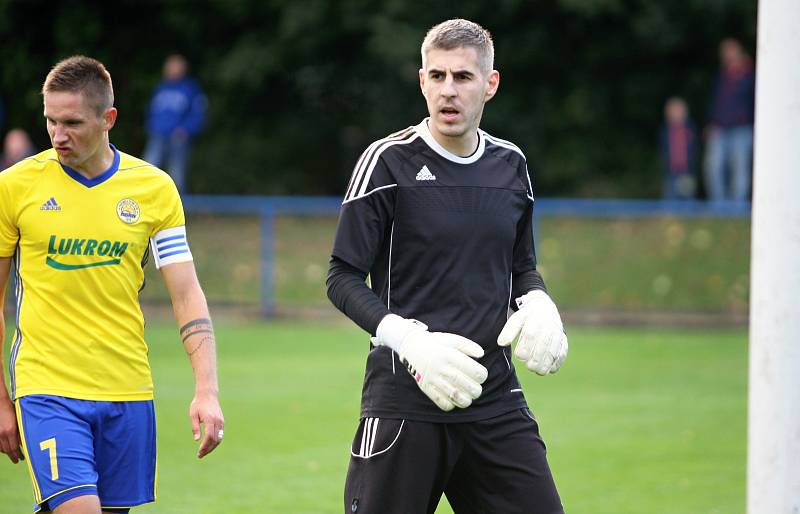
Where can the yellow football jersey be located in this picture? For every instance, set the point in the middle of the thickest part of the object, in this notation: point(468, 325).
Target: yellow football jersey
point(79, 247)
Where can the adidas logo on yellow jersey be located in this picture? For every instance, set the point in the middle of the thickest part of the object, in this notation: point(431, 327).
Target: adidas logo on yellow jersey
point(50, 205)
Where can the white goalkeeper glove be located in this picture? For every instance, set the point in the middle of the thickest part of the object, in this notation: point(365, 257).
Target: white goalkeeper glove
point(537, 327)
point(442, 364)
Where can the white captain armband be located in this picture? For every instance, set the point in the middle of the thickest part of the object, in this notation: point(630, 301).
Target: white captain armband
point(170, 246)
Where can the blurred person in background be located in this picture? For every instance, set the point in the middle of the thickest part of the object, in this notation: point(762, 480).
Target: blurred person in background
point(16, 146)
point(678, 141)
point(729, 133)
point(439, 215)
point(78, 222)
point(176, 115)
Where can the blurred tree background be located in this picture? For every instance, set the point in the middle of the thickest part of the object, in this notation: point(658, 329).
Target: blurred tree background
point(297, 89)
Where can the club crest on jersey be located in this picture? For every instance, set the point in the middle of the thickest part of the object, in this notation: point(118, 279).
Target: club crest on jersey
point(128, 211)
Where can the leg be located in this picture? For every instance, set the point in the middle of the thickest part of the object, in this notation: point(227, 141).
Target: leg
point(58, 443)
point(125, 452)
point(396, 467)
point(89, 504)
point(669, 192)
point(81, 505)
point(741, 162)
point(685, 186)
point(178, 156)
point(154, 150)
point(714, 166)
point(503, 468)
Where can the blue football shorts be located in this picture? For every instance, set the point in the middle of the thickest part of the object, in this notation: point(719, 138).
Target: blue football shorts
point(82, 447)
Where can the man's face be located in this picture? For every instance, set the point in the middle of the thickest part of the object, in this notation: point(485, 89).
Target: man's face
point(174, 68)
point(730, 52)
point(676, 112)
point(455, 90)
point(16, 145)
point(76, 130)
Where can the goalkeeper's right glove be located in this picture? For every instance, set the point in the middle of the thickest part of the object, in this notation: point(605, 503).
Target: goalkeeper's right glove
point(442, 364)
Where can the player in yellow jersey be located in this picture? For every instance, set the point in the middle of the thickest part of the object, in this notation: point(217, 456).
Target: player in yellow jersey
point(78, 222)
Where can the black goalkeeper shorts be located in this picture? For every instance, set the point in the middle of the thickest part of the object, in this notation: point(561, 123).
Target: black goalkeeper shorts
point(492, 466)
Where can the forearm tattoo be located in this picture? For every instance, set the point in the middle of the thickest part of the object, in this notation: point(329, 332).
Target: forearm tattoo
point(206, 339)
point(196, 327)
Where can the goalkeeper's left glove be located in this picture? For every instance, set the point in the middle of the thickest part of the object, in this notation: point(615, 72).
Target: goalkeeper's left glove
point(541, 341)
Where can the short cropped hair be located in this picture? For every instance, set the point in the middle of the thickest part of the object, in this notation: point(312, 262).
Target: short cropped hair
point(460, 33)
point(81, 74)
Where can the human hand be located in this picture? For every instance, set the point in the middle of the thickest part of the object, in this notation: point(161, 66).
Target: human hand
point(537, 327)
point(442, 364)
point(206, 412)
point(9, 432)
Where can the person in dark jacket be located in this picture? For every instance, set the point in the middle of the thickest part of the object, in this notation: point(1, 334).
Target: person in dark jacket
point(176, 114)
point(678, 151)
point(729, 144)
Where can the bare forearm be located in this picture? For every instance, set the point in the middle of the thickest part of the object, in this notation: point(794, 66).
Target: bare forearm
point(197, 336)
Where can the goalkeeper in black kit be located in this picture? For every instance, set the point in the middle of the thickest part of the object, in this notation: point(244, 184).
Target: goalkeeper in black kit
point(439, 216)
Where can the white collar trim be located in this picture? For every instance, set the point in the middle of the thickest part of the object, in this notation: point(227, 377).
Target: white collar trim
point(425, 133)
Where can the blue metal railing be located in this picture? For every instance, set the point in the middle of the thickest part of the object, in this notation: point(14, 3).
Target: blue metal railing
point(573, 207)
point(268, 207)
point(600, 208)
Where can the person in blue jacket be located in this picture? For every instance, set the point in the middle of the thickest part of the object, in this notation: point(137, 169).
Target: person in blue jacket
point(176, 114)
point(729, 134)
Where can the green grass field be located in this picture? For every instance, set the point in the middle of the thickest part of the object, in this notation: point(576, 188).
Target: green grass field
point(637, 422)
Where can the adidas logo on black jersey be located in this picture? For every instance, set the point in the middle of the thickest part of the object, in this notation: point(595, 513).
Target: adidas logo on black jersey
point(50, 205)
point(425, 174)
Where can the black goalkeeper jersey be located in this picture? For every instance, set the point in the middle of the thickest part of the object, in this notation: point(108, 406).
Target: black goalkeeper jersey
point(441, 237)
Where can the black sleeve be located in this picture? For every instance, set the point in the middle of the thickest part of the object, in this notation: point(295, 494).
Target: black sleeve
point(348, 291)
point(365, 219)
point(524, 258)
point(525, 278)
point(365, 222)
point(524, 283)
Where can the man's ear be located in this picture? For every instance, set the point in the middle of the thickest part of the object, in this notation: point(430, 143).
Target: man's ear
point(492, 84)
point(109, 118)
